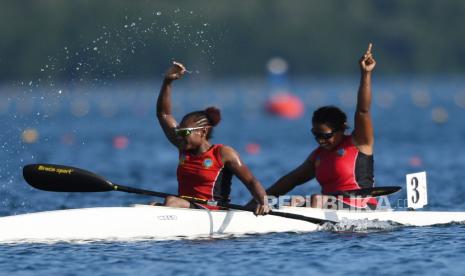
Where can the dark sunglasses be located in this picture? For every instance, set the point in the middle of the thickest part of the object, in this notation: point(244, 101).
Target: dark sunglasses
point(184, 132)
point(324, 135)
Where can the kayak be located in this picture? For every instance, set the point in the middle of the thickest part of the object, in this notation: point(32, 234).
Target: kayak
point(141, 222)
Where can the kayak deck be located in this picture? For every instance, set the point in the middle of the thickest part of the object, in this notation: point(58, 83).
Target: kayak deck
point(160, 223)
point(141, 221)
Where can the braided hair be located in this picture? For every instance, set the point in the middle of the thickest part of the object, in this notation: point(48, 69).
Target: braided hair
point(209, 117)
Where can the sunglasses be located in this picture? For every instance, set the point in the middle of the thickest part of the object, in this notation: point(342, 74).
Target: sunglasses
point(184, 132)
point(324, 135)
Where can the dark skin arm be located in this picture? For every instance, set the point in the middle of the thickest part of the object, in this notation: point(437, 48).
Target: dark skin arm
point(165, 117)
point(233, 162)
point(363, 133)
point(298, 176)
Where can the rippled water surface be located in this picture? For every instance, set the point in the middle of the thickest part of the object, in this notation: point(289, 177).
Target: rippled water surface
point(113, 131)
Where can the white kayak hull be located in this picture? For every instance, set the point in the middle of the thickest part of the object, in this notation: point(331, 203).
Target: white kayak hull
point(157, 222)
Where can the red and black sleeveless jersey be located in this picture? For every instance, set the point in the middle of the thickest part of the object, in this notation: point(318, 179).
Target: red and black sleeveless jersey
point(343, 168)
point(204, 176)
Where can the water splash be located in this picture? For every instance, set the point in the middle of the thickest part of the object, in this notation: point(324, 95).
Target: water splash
point(362, 226)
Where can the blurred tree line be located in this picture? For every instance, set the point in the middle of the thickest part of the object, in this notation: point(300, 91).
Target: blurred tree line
point(72, 39)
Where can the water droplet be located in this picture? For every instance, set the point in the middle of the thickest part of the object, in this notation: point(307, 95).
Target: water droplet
point(95, 49)
point(158, 13)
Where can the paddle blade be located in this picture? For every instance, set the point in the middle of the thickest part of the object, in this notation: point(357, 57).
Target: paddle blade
point(59, 178)
point(369, 192)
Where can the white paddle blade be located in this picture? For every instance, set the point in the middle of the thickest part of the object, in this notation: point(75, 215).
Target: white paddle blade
point(417, 195)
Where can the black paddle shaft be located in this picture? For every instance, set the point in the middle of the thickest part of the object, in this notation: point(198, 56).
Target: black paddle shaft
point(368, 192)
point(59, 178)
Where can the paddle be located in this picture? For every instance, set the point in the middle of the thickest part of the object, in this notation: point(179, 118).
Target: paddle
point(59, 178)
point(368, 192)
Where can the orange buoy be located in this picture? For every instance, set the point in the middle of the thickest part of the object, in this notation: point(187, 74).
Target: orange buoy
point(120, 142)
point(30, 135)
point(252, 148)
point(285, 105)
point(68, 139)
point(415, 161)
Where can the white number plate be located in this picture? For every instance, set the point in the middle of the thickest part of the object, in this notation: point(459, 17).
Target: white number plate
point(417, 195)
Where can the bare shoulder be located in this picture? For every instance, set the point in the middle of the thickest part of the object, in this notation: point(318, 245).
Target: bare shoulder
point(228, 152)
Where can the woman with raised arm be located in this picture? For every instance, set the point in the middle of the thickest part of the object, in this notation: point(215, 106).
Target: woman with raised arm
point(341, 162)
point(204, 170)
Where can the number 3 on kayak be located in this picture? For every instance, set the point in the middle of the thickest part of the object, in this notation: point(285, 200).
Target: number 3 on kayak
point(416, 190)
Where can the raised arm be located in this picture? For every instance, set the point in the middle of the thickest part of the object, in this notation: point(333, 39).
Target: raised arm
point(233, 162)
point(165, 117)
point(363, 126)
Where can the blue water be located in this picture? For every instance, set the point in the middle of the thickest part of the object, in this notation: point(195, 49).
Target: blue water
point(419, 127)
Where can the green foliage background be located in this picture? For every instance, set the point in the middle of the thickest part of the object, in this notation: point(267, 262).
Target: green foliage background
point(227, 38)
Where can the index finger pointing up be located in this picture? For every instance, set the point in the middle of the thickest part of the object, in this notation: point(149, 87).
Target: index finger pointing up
point(369, 48)
point(180, 65)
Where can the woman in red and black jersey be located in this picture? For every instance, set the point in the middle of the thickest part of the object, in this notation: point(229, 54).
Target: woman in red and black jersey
point(341, 162)
point(204, 170)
